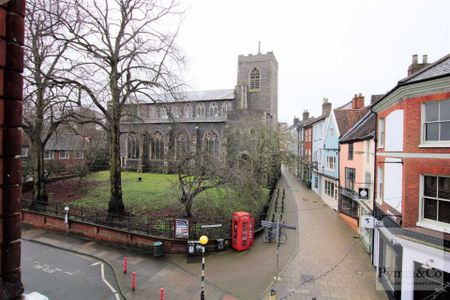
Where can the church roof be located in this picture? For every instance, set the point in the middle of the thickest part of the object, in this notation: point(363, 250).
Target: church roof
point(192, 96)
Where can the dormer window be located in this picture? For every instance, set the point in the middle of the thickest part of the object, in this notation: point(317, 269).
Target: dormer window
point(255, 80)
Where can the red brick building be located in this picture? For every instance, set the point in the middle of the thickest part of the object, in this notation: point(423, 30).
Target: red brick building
point(11, 81)
point(412, 190)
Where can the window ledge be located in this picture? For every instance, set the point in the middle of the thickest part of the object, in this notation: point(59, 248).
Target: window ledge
point(446, 145)
point(436, 227)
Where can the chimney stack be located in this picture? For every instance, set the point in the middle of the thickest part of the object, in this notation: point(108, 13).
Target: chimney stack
point(326, 106)
point(296, 120)
point(305, 115)
point(415, 66)
point(358, 101)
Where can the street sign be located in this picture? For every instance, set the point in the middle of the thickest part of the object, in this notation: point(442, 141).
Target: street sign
point(367, 221)
point(266, 224)
point(363, 193)
point(211, 226)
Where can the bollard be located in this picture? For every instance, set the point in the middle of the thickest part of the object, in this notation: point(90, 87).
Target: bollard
point(273, 294)
point(133, 281)
point(125, 264)
point(161, 294)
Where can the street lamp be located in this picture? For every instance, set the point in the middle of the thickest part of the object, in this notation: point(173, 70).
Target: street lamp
point(203, 241)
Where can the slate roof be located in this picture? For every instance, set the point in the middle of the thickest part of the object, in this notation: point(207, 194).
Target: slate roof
point(207, 95)
point(439, 68)
point(364, 129)
point(67, 142)
point(346, 118)
point(375, 98)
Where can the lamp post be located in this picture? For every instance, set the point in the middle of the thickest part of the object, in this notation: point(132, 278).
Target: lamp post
point(203, 241)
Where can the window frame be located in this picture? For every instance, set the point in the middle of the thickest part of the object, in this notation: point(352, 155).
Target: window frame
point(77, 154)
point(50, 156)
point(423, 122)
point(254, 82)
point(133, 151)
point(66, 154)
point(425, 222)
point(351, 153)
point(347, 185)
point(333, 163)
point(381, 132)
point(380, 186)
point(330, 189)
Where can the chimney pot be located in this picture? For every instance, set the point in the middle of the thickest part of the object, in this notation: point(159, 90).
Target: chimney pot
point(414, 59)
point(326, 106)
point(305, 115)
point(425, 59)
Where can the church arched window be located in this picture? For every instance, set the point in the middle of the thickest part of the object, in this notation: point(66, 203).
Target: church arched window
point(158, 146)
point(182, 145)
point(211, 141)
point(224, 108)
point(188, 111)
point(255, 79)
point(252, 135)
point(200, 110)
point(133, 146)
point(163, 112)
point(213, 110)
point(152, 112)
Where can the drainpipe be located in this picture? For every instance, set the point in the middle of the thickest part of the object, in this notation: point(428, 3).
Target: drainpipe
point(374, 193)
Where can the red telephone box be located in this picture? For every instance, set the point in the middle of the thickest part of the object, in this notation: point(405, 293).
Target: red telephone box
point(243, 231)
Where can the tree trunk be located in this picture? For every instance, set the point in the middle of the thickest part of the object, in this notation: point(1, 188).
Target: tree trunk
point(37, 156)
point(188, 207)
point(115, 205)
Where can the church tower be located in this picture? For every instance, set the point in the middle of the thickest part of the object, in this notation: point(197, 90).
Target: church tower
point(257, 85)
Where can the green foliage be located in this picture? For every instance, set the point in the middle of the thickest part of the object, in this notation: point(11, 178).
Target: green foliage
point(158, 192)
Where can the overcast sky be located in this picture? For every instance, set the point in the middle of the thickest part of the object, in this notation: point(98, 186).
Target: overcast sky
point(324, 48)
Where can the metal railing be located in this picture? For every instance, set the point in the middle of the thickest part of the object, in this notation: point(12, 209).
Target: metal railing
point(162, 227)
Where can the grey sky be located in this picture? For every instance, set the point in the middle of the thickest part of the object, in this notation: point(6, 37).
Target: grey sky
point(324, 48)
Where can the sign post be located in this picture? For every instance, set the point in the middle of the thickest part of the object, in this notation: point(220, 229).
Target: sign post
point(278, 226)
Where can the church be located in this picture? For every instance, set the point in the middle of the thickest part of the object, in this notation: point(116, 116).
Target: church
point(161, 132)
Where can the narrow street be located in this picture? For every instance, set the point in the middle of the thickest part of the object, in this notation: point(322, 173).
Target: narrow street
point(72, 276)
point(331, 262)
point(321, 259)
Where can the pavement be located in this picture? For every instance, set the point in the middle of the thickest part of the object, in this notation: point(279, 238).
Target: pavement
point(320, 259)
point(331, 262)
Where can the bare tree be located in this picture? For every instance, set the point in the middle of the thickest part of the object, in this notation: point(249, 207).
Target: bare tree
point(45, 105)
point(122, 52)
point(251, 162)
point(196, 174)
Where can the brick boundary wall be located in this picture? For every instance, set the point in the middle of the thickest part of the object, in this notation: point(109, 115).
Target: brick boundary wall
point(11, 90)
point(107, 234)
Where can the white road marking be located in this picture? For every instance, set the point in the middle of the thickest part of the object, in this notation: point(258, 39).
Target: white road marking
point(104, 280)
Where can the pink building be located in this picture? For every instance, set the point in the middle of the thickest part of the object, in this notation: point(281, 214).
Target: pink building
point(356, 174)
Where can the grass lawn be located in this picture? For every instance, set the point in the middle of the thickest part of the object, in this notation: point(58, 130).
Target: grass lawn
point(157, 194)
